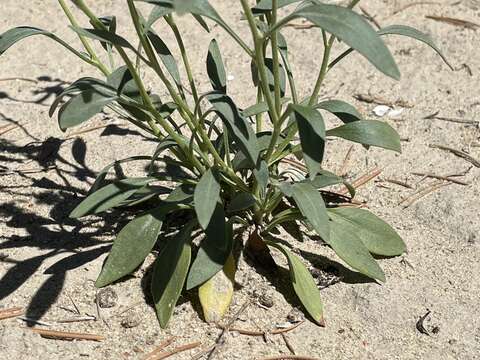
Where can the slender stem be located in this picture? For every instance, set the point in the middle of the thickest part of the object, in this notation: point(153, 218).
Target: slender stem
point(85, 42)
point(276, 63)
point(324, 68)
point(171, 22)
point(259, 117)
point(326, 55)
point(260, 60)
point(276, 134)
point(141, 87)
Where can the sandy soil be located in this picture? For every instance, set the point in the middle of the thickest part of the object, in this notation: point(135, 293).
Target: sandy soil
point(48, 261)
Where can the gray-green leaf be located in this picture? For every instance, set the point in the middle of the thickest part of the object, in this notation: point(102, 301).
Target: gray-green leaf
point(241, 201)
point(303, 284)
point(379, 237)
point(215, 68)
point(109, 196)
point(207, 194)
point(311, 129)
point(214, 250)
point(133, 244)
point(165, 56)
point(82, 107)
point(237, 125)
point(350, 248)
point(369, 132)
point(311, 205)
point(352, 29)
point(169, 274)
point(344, 111)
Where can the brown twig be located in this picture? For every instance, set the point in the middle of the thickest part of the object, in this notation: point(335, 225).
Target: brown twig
point(63, 335)
point(10, 313)
point(363, 180)
point(77, 310)
point(346, 162)
point(458, 153)
point(439, 177)
point(176, 350)
point(454, 120)
point(203, 352)
point(7, 128)
point(77, 319)
point(28, 171)
point(288, 344)
point(262, 333)
point(153, 354)
point(408, 201)
point(226, 329)
point(398, 182)
point(289, 357)
point(381, 101)
point(456, 22)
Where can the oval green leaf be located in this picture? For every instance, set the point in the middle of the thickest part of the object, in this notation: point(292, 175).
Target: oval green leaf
point(311, 129)
point(379, 237)
point(215, 68)
point(207, 195)
point(214, 250)
point(169, 273)
point(109, 196)
point(311, 205)
point(344, 111)
point(350, 248)
point(82, 107)
point(303, 284)
point(133, 244)
point(369, 132)
point(352, 29)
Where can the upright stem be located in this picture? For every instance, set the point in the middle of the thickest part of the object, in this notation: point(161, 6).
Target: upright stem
point(276, 63)
point(260, 60)
point(85, 42)
point(171, 22)
point(323, 70)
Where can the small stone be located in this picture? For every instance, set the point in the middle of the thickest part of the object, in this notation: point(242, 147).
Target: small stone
point(295, 316)
point(131, 320)
point(266, 299)
point(107, 298)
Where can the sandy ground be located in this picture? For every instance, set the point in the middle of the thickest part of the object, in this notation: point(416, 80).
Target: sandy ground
point(48, 262)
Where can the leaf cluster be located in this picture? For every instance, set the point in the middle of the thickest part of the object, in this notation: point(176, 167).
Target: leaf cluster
point(216, 166)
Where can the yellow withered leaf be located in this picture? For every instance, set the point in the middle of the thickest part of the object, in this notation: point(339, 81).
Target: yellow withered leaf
point(216, 294)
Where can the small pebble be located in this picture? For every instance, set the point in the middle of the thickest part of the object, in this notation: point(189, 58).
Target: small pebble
point(130, 321)
point(266, 299)
point(295, 316)
point(107, 298)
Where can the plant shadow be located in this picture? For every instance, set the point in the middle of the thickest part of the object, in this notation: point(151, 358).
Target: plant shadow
point(38, 192)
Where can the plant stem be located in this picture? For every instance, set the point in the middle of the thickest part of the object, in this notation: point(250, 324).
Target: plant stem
point(260, 60)
point(323, 70)
point(171, 22)
point(276, 63)
point(259, 117)
point(85, 42)
point(138, 81)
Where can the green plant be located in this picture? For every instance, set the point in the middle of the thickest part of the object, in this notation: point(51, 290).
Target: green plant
point(228, 168)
